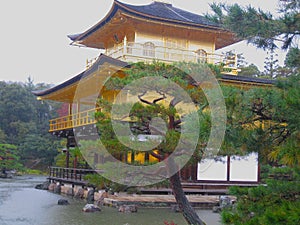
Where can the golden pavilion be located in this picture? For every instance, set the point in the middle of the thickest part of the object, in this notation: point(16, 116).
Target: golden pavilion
point(134, 33)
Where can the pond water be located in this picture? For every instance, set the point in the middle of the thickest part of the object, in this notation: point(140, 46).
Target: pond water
point(21, 204)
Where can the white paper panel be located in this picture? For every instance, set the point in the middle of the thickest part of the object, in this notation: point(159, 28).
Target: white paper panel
point(244, 168)
point(210, 169)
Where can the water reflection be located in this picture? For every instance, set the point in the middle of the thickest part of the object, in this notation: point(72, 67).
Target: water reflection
point(21, 204)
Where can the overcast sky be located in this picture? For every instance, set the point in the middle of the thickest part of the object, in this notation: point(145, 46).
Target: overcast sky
point(34, 35)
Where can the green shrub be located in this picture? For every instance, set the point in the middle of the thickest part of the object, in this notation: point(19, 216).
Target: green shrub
point(275, 202)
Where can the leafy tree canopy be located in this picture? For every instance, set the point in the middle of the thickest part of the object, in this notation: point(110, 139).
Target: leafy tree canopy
point(24, 122)
point(275, 203)
point(9, 157)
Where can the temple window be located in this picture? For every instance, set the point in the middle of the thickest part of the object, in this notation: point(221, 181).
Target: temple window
point(201, 55)
point(149, 49)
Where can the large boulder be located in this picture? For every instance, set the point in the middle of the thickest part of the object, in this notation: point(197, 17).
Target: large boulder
point(57, 189)
point(91, 208)
point(79, 193)
point(51, 187)
point(43, 186)
point(63, 202)
point(90, 196)
point(100, 196)
point(70, 191)
point(224, 202)
point(7, 173)
point(3, 175)
point(128, 208)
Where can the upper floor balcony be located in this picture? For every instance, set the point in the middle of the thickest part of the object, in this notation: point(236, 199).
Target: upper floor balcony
point(147, 52)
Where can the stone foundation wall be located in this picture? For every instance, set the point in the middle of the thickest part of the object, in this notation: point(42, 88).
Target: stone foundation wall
point(77, 191)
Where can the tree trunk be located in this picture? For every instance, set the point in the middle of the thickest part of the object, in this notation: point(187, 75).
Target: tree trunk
point(189, 213)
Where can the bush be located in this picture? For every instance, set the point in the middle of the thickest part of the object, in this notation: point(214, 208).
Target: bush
point(276, 202)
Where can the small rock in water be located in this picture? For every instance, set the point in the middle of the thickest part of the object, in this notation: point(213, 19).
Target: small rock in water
point(128, 208)
point(63, 202)
point(175, 208)
point(216, 209)
point(91, 208)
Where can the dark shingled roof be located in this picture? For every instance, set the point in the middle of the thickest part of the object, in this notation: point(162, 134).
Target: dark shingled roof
point(58, 87)
point(248, 79)
point(106, 59)
point(167, 11)
point(158, 11)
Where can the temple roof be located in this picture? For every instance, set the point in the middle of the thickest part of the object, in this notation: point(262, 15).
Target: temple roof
point(101, 70)
point(165, 11)
point(157, 12)
point(253, 80)
point(65, 91)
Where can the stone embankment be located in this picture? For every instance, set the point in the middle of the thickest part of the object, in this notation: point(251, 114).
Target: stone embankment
point(129, 202)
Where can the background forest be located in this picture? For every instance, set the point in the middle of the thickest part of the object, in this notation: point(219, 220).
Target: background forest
point(24, 124)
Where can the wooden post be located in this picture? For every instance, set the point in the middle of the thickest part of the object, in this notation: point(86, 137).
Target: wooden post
point(70, 115)
point(125, 45)
point(228, 168)
point(194, 172)
point(235, 61)
point(146, 158)
point(75, 166)
point(258, 171)
point(96, 159)
point(125, 157)
point(67, 157)
point(132, 157)
point(78, 117)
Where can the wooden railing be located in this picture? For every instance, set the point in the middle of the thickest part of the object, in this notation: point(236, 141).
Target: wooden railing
point(70, 174)
point(74, 120)
point(134, 52)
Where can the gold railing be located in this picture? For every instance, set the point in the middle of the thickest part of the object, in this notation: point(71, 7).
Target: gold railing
point(134, 52)
point(74, 120)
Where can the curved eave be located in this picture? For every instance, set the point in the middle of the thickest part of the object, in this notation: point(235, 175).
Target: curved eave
point(160, 19)
point(79, 37)
point(246, 81)
point(65, 91)
point(45, 94)
point(118, 6)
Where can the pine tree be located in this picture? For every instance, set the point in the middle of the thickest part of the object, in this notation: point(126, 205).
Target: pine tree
point(258, 27)
point(271, 64)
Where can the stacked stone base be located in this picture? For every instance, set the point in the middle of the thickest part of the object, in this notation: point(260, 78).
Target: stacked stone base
point(78, 192)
